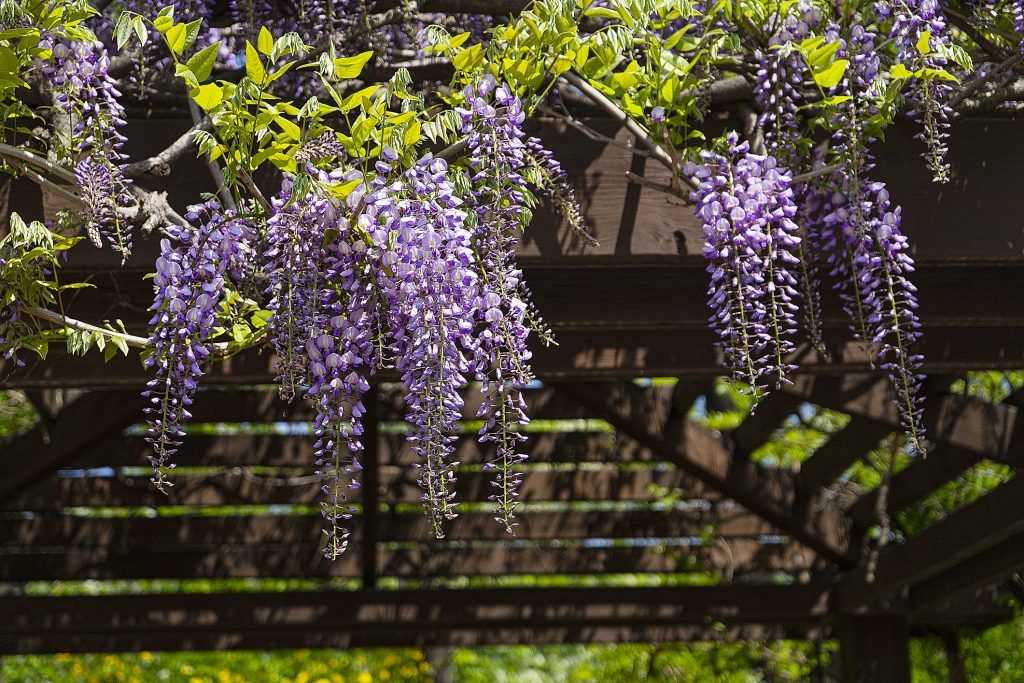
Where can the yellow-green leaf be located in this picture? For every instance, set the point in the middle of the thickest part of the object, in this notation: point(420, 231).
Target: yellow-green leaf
point(924, 43)
point(265, 41)
point(412, 134)
point(830, 77)
point(253, 66)
point(202, 62)
point(163, 23)
point(208, 96)
point(351, 67)
point(900, 71)
point(176, 37)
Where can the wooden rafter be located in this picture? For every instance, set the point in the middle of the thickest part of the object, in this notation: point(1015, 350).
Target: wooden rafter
point(994, 518)
point(768, 494)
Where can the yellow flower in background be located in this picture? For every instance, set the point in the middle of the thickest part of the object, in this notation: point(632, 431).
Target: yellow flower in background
point(364, 677)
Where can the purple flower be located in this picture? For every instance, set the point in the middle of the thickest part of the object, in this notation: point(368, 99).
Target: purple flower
point(746, 205)
point(189, 284)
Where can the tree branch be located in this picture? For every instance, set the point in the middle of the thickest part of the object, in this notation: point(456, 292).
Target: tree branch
point(64, 321)
point(658, 153)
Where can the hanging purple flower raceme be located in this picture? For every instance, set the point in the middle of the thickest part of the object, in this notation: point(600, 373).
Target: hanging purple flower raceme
point(860, 232)
point(87, 96)
point(429, 286)
point(294, 237)
point(492, 119)
point(777, 90)
point(918, 29)
point(746, 205)
point(811, 201)
point(189, 285)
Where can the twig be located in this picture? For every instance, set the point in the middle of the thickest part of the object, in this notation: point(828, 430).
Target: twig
point(658, 153)
point(593, 134)
point(250, 185)
point(64, 321)
point(218, 350)
point(964, 24)
point(976, 84)
point(453, 150)
point(811, 175)
point(160, 164)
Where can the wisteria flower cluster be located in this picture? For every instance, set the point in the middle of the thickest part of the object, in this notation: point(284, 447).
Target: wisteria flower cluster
point(857, 232)
point(746, 205)
point(498, 157)
point(190, 284)
point(87, 97)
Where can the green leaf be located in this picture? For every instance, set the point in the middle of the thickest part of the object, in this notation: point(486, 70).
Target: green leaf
point(163, 23)
point(265, 41)
point(830, 77)
point(253, 66)
point(122, 29)
point(202, 62)
point(351, 67)
point(176, 36)
point(924, 43)
point(140, 30)
point(208, 96)
point(412, 134)
point(469, 58)
point(900, 71)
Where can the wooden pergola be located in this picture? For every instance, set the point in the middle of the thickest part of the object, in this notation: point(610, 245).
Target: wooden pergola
point(790, 545)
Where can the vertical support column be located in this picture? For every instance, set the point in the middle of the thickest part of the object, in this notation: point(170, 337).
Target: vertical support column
point(371, 488)
point(875, 649)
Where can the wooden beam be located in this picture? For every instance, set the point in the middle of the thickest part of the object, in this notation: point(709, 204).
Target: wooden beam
point(758, 427)
point(203, 528)
point(767, 493)
point(963, 580)
point(992, 519)
point(371, 618)
point(242, 486)
point(843, 449)
point(418, 618)
point(582, 353)
point(735, 558)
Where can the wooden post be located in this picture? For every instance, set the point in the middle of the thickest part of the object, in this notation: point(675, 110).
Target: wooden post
point(371, 488)
point(875, 649)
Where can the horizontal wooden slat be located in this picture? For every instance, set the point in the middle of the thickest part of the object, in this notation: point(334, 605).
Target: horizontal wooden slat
point(656, 293)
point(733, 557)
point(163, 531)
point(582, 354)
point(341, 619)
point(270, 450)
point(398, 485)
